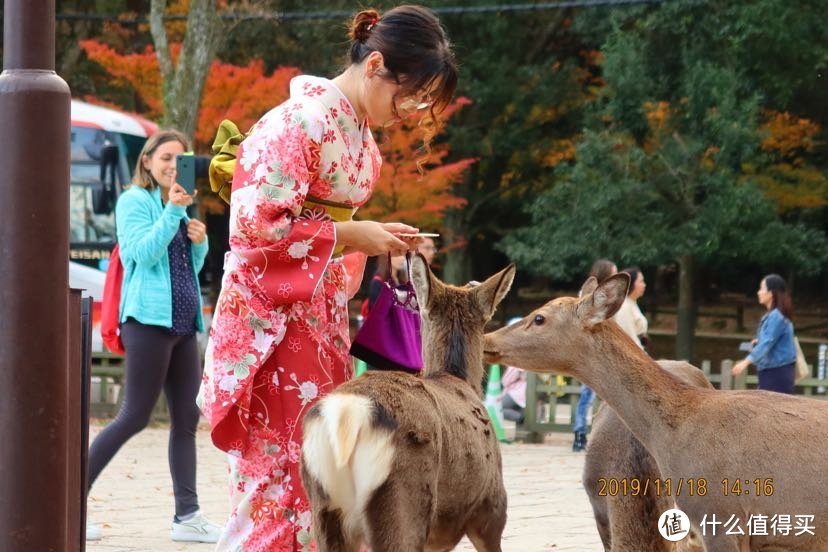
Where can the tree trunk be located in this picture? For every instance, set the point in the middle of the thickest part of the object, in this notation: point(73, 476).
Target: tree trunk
point(457, 268)
point(184, 85)
point(70, 50)
point(686, 312)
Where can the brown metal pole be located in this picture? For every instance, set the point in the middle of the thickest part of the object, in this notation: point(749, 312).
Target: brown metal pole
point(83, 458)
point(74, 422)
point(34, 242)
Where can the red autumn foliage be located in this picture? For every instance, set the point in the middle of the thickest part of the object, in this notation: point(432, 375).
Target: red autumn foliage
point(243, 94)
point(408, 194)
point(239, 93)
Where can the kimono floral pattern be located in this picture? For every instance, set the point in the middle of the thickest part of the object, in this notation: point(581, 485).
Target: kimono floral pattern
point(279, 339)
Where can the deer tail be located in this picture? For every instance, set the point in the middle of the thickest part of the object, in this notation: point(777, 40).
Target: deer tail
point(347, 448)
point(345, 420)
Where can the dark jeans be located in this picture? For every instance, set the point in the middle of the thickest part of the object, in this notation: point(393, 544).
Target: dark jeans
point(779, 379)
point(511, 410)
point(584, 402)
point(157, 360)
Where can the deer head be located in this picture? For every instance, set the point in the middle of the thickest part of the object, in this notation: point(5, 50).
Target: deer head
point(551, 338)
point(453, 319)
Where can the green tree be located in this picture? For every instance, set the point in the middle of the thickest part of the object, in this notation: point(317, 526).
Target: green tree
point(529, 78)
point(667, 171)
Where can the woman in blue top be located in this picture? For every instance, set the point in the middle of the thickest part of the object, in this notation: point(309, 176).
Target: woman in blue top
point(162, 251)
point(774, 351)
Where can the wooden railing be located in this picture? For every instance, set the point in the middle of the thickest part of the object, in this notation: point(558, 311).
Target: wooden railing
point(107, 388)
point(551, 400)
point(723, 379)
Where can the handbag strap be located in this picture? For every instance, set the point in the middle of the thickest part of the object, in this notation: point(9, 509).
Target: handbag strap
point(408, 264)
point(411, 296)
point(388, 268)
point(407, 267)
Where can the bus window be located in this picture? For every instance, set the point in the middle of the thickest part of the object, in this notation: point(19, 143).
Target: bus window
point(91, 216)
point(85, 225)
point(87, 143)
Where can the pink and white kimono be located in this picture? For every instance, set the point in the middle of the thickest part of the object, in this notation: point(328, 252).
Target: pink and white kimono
point(279, 339)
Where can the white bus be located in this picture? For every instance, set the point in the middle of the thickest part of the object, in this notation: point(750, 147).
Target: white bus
point(105, 147)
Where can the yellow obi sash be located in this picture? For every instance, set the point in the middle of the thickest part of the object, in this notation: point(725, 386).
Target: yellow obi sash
point(339, 212)
point(223, 163)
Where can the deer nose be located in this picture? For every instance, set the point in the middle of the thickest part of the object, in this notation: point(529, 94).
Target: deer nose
point(490, 356)
point(490, 352)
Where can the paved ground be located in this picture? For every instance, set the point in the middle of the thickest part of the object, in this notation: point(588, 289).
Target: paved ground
point(132, 500)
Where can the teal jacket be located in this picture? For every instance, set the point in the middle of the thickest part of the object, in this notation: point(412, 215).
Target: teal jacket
point(145, 230)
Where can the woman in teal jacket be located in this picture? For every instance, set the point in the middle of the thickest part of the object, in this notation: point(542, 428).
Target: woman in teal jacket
point(162, 251)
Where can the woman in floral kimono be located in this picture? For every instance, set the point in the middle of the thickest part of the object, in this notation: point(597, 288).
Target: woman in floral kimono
point(279, 339)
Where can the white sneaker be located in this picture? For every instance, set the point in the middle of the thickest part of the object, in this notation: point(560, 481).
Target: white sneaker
point(93, 532)
point(196, 529)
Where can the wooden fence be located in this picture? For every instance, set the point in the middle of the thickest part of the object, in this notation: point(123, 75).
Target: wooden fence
point(106, 390)
point(551, 400)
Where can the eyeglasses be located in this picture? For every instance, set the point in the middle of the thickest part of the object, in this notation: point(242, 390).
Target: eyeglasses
point(412, 104)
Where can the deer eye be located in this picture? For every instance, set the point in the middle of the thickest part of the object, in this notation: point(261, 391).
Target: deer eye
point(539, 319)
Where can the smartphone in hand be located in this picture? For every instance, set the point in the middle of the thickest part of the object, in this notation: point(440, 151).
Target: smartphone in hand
point(185, 171)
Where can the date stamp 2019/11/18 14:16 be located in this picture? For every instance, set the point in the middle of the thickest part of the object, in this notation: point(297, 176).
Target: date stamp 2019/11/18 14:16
point(700, 486)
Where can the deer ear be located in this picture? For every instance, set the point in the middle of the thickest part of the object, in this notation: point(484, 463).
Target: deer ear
point(421, 278)
point(491, 292)
point(588, 287)
point(605, 300)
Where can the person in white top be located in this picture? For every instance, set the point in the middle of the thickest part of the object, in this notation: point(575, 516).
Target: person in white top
point(629, 316)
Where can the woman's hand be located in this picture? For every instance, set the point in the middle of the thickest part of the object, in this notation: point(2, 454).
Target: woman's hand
point(740, 367)
point(179, 196)
point(374, 238)
point(196, 231)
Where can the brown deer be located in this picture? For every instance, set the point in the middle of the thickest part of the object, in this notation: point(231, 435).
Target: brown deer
point(408, 463)
point(628, 522)
point(754, 457)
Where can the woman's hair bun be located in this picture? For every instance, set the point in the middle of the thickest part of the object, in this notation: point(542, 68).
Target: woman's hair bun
point(362, 24)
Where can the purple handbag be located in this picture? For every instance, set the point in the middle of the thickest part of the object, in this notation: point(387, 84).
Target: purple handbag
point(389, 338)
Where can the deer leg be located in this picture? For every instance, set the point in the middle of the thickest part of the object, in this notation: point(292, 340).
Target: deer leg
point(721, 543)
point(603, 525)
point(481, 544)
point(693, 543)
point(633, 524)
point(486, 530)
point(327, 527)
point(329, 534)
point(398, 516)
